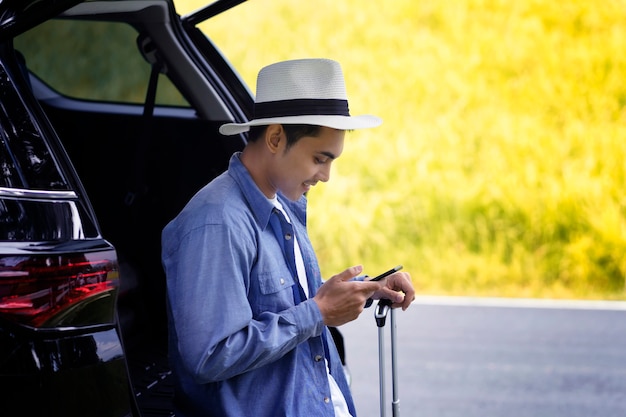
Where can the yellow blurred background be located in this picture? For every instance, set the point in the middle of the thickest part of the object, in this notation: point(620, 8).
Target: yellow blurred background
point(500, 167)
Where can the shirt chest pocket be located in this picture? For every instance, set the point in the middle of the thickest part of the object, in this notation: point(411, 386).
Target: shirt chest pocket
point(275, 291)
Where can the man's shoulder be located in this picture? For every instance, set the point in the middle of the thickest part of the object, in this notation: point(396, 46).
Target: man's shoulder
point(218, 198)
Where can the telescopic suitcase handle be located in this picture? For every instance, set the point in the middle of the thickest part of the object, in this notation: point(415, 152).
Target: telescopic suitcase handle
point(380, 314)
point(382, 308)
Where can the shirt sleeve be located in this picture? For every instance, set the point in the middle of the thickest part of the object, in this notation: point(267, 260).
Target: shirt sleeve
point(218, 338)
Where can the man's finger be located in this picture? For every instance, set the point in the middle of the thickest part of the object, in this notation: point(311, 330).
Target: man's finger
point(349, 273)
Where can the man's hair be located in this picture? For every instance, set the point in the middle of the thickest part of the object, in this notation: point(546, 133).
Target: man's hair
point(293, 132)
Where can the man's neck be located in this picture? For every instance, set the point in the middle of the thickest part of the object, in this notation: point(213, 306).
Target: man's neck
point(256, 162)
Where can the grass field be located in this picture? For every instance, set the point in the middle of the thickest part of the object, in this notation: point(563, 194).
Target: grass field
point(500, 167)
point(501, 164)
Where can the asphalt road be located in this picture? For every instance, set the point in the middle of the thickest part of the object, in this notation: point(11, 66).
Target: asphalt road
point(495, 358)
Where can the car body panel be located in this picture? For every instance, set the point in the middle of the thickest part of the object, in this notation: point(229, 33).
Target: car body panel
point(17, 16)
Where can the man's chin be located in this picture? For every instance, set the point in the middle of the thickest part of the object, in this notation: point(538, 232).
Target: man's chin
point(294, 196)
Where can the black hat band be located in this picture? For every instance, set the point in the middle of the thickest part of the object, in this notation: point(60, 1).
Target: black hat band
point(301, 107)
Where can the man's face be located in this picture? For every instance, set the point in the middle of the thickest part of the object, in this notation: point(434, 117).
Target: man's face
point(308, 161)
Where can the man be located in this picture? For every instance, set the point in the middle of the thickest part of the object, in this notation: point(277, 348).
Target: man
point(247, 307)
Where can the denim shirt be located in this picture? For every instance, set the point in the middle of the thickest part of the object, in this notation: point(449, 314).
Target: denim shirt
point(239, 345)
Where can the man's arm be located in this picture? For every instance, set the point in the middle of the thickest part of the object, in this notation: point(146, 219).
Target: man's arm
point(218, 337)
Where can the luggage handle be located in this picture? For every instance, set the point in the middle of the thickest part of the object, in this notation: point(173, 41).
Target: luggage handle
point(380, 315)
point(382, 308)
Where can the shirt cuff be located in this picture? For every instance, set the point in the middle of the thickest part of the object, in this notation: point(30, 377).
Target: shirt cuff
point(308, 318)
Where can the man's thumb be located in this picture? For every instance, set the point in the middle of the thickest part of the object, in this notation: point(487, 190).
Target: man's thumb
point(349, 273)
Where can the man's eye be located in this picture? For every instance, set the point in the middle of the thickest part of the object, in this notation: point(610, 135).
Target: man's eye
point(319, 160)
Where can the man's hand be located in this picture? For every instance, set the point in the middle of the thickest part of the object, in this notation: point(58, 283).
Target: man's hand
point(341, 300)
point(398, 288)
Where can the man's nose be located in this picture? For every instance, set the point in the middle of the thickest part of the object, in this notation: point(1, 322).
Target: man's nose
point(324, 173)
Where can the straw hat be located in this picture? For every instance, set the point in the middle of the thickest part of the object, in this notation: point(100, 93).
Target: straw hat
point(302, 91)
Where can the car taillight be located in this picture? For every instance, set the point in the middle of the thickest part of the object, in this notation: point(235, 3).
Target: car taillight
point(55, 290)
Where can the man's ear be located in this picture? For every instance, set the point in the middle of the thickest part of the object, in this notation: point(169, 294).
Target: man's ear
point(274, 137)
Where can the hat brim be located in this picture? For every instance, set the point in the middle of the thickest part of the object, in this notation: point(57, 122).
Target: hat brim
point(335, 122)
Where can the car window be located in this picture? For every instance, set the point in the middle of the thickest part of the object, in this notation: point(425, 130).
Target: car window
point(93, 60)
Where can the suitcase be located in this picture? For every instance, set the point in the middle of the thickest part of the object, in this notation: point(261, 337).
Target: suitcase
point(382, 309)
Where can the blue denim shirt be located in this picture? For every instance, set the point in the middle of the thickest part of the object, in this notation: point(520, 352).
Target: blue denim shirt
point(239, 345)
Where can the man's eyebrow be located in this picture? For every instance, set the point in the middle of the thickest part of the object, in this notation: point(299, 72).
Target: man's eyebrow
point(329, 154)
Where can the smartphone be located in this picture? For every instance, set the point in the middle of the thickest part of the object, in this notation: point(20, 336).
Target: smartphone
point(387, 273)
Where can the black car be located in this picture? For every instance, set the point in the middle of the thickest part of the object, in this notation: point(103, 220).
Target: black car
point(91, 171)
point(88, 180)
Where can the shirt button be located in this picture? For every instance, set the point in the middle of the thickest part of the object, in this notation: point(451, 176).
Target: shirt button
point(326, 400)
point(282, 281)
point(288, 236)
point(318, 358)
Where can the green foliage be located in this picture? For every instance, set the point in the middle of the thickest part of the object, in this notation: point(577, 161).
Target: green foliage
point(500, 168)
